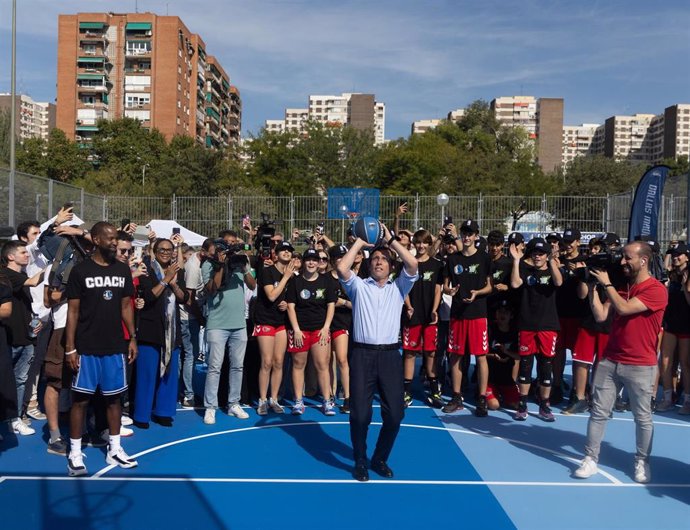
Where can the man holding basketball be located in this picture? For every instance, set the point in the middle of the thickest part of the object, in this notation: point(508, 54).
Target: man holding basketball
point(375, 361)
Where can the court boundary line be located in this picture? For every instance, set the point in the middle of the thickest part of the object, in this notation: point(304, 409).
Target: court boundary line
point(446, 429)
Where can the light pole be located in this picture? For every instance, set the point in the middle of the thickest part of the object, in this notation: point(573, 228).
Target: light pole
point(343, 211)
point(13, 117)
point(442, 200)
point(143, 177)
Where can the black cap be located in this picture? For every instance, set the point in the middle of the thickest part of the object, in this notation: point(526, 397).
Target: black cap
point(337, 251)
point(481, 244)
point(310, 253)
point(680, 249)
point(470, 226)
point(537, 244)
point(571, 234)
point(651, 242)
point(610, 238)
point(554, 236)
point(284, 245)
point(515, 238)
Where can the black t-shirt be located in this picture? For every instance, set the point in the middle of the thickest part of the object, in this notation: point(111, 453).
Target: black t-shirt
point(537, 300)
point(311, 299)
point(423, 292)
point(5, 296)
point(501, 373)
point(18, 322)
point(470, 273)
point(342, 318)
point(500, 274)
point(568, 304)
point(265, 311)
point(677, 315)
point(589, 322)
point(100, 290)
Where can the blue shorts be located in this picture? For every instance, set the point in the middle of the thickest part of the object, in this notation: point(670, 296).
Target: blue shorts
point(109, 372)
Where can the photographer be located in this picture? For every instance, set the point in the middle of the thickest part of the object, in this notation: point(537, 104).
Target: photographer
point(629, 357)
point(225, 275)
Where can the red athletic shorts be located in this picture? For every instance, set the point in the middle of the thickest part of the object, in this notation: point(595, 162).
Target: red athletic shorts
point(310, 338)
point(568, 334)
point(338, 332)
point(468, 336)
point(420, 338)
point(543, 342)
point(264, 330)
point(508, 393)
point(588, 344)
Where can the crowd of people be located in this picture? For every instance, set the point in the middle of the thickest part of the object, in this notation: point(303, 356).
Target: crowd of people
point(113, 330)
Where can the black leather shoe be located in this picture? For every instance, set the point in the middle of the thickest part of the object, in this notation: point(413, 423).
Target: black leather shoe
point(360, 473)
point(164, 421)
point(381, 468)
point(141, 424)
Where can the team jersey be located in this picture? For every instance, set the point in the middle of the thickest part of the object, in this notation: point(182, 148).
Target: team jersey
point(470, 274)
point(311, 299)
point(423, 292)
point(568, 304)
point(265, 311)
point(537, 300)
point(342, 318)
point(100, 291)
point(677, 315)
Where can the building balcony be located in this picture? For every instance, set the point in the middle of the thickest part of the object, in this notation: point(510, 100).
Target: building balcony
point(92, 88)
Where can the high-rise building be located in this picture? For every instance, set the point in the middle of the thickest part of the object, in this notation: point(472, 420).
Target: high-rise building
point(34, 119)
point(577, 141)
point(676, 131)
point(422, 126)
point(517, 111)
point(360, 111)
point(142, 66)
point(549, 133)
point(456, 115)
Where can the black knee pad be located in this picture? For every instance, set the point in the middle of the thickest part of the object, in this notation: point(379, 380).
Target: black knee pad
point(525, 372)
point(545, 370)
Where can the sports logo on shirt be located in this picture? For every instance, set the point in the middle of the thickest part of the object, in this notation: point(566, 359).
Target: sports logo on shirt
point(497, 275)
point(544, 280)
point(107, 294)
point(531, 281)
point(320, 294)
point(473, 269)
point(428, 276)
point(459, 269)
point(305, 294)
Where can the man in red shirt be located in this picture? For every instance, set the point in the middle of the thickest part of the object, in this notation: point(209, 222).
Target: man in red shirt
point(629, 357)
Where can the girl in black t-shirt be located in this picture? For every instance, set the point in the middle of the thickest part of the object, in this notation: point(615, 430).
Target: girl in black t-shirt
point(311, 304)
point(269, 324)
point(340, 327)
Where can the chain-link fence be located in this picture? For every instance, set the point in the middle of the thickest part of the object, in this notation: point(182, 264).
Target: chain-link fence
point(39, 198)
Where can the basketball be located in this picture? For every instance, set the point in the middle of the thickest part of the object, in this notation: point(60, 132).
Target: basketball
point(369, 229)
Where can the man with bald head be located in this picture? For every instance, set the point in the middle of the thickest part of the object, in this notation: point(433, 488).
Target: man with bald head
point(630, 357)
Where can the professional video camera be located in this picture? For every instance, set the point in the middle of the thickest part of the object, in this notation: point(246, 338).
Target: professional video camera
point(232, 259)
point(608, 259)
point(263, 241)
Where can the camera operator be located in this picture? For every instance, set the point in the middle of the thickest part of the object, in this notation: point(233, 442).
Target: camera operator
point(225, 275)
point(629, 357)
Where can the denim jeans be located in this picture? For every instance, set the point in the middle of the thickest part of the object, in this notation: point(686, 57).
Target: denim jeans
point(639, 382)
point(190, 345)
point(22, 357)
point(236, 341)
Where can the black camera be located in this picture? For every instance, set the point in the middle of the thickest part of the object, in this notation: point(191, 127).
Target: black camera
point(232, 259)
point(608, 260)
point(263, 241)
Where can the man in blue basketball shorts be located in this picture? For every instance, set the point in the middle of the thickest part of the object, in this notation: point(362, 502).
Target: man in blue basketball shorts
point(98, 293)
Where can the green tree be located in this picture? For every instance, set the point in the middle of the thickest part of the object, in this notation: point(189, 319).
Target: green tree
point(65, 161)
point(598, 175)
point(5, 136)
point(31, 156)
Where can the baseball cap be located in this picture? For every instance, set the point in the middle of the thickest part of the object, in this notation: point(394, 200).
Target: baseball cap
point(651, 242)
point(481, 244)
point(553, 236)
point(571, 234)
point(284, 245)
point(470, 226)
point(337, 251)
point(310, 253)
point(537, 244)
point(611, 238)
point(515, 238)
point(682, 248)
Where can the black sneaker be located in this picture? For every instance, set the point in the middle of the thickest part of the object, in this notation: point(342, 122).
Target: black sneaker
point(345, 407)
point(75, 465)
point(578, 406)
point(408, 399)
point(521, 412)
point(545, 412)
point(481, 411)
point(454, 404)
point(58, 447)
point(435, 400)
point(93, 440)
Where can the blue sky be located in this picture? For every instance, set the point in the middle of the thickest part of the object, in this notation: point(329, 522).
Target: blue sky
point(422, 58)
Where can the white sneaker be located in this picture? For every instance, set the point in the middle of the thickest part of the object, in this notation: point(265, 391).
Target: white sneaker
point(36, 414)
point(587, 468)
point(237, 411)
point(642, 472)
point(276, 407)
point(262, 409)
point(125, 432)
point(210, 416)
point(126, 421)
point(19, 427)
point(75, 464)
point(118, 457)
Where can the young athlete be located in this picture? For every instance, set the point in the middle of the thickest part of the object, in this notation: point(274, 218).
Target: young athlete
point(502, 388)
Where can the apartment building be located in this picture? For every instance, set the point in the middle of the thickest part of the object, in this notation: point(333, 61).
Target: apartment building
point(360, 111)
point(517, 111)
point(35, 119)
point(456, 115)
point(143, 66)
point(577, 141)
point(676, 131)
point(422, 126)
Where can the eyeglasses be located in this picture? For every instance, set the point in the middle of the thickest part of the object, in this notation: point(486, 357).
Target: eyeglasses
point(125, 251)
point(322, 258)
point(166, 250)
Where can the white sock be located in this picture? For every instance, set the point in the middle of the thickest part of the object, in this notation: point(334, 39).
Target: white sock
point(75, 446)
point(114, 442)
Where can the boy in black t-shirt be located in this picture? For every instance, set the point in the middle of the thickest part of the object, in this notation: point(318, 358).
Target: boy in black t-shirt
point(538, 326)
point(467, 281)
point(502, 388)
point(420, 319)
point(98, 293)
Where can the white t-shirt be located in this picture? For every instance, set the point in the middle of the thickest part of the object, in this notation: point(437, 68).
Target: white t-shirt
point(37, 262)
point(193, 280)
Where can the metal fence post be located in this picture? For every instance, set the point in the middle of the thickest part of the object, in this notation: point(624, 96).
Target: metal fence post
point(416, 212)
point(173, 208)
point(480, 209)
point(229, 211)
point(542, 220)
point(50, 197)
point(104, 207)
point(292, 213)
point(81, 202)
point(607, 222)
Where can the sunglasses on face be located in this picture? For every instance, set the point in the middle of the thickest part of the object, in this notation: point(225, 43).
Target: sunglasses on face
point(322, 258)
point(125, 251)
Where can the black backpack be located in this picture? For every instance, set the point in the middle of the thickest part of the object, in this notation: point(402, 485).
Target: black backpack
point(64, 252)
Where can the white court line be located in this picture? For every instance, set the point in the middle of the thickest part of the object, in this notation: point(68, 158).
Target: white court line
point(582, 484)
point(104, 470)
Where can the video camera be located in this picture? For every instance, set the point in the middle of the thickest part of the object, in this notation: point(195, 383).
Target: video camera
point(232, 259)
point(263, 241)
point(609, 260)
